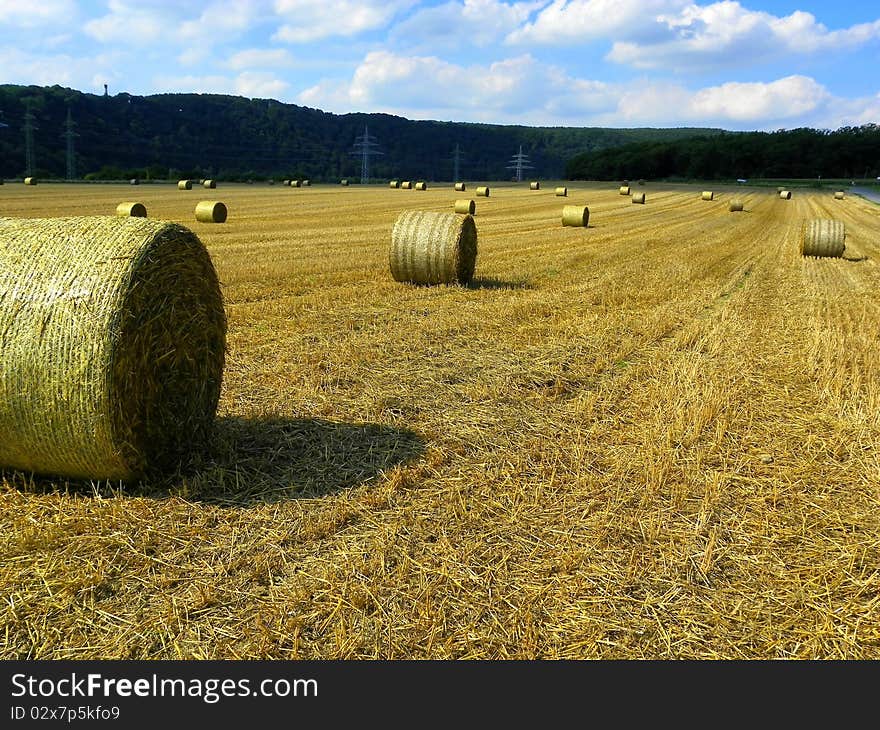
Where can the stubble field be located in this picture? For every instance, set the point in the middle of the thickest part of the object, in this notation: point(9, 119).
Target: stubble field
point(653, 438)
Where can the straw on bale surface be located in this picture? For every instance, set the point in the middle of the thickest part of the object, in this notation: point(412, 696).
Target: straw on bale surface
point(343, 182)
point(460, 187)
point(30, 181)
point(394, 184)
point(534, 185)
point(131, 210)
point(623, 190)
point(421, 185)
point(211, 211)
point(184, 185)
point(406, 185)
point(112, 345)
point(823, 237)
point(562, 192)
point(433, 248)
point(210, 184)
point(296, 183)
point(638, 198)
point(575, 215)
point(483, 190)
point(134, 181)
point(785, 194)
point(468, 207)
point(839, 195)
point(735, 206)
point(708, 195)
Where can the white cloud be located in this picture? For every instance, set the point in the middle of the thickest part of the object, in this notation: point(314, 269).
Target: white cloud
point(250, 84)
point(129, 23)
point(28, 14)
point(62, 69)
point(220, 21)
point(259, 58)
point(312, 20)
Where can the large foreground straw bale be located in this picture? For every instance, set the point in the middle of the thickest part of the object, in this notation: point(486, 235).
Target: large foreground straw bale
point(209, 184)
point(131, 210)
point(785, 194)
point(468, 207)
point(575, 215)
point(211, 211)
point(823, 237)
point(483, 190)
point(460, 187)
point(30, 181)
point(623, 190)
point(535, 185)
point(561, 192)
point(112, 344)
point(184, 185)
point(839, 195)
point(735, 206)
point(707, 195)
point(433, 248)
point(638, 198)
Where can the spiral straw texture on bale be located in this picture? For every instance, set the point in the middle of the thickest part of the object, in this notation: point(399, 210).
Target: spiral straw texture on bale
point(575, 215)
point(638, 198)
point(211, 211)
point(483, 190)
point(839, 195)
point(623, 190)
point(561, 192)
point(112, 345)
point(707, 195)
point(184, 185)
point(735, 206)
point(468, 207)
point(534, 185)
point(209, 184)
point(823, 237)
point(433, 248)
point(785, 194)
point(131, 210)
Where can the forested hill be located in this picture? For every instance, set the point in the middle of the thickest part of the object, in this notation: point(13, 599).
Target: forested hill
point(849, 152)
point(171, 136)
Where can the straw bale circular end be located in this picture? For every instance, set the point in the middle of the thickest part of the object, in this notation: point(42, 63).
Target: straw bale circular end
point(343, 182)
point(433, 248)
point(623, 190)
point(638, 198)
point(406, 185)
point(421, 185)
point(209, 184)
point(839, 195)
point(534, 185)
point(134, 181)
point(575, 215)
point(483, 190)
point(468, 207)
point(184, 185)
point(785, 194)
point(30, 181)
point(394, 184)
point(823, 237)
point(460, 187)
point(735, 206)
point(707, 195)
point(562, 192)
point(131, 210)
point(111, 357)
point(211, 211)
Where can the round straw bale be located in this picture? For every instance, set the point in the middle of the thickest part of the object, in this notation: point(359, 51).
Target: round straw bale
point(465, 206)
point(785, 194)
point(131, 210)
point(307, 183)
point(460, 187)
point(421, 185)
point(483, 190)
point(298, 183)
point(534, 185)
point(343, 182)
point(623, 190)
point(839, 195)
point(433, 248)
point(134, 181)
point(112, 344)
point(30, 181)
point(210, 184)
point(823, 237)
point(185, 185)
point(707, 195)
point(562, 192)
point(575, 215)
point(211, 211)
point(735, 206)
point(394, 184)
point(406, 185)
point(285, 182)
point(638, 198)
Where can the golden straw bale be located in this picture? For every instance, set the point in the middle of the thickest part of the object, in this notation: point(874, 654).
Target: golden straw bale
point(406, 185)
point(185, 185)
point(823, 237)
point(623, 190)
point(735, 206)
point(707, 195)
point(433, 248)
point(296, 183)
point(134, 181)
point(344, 182)
point(394, 184)
point(30, 181)
point(421, 185)
point(211, 211)
point(839, 195)
point(468, 207)
point(483, 190)
point(638, 198)
point(460, 187)
point(132, 210)
point(575, 215)
point(534, 185)
point(785, 194)
point(112, 353)
point(306, 183)
point(209, 184)
point(562, 192)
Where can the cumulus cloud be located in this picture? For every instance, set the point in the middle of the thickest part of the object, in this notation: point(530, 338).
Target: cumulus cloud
point(40, 69)
point(129, 23)
point(260, 58)
point(313, 20)
point(23, 14)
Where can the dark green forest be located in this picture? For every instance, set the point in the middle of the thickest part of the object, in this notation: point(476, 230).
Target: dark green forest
point(849, 152)
point(172, 136)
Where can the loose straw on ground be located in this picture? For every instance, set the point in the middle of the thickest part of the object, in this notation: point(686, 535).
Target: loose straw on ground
point(433, 248)
point(131, 210)
point(823, 238)
point(468, 207)
point(112, 352)
point(211, 211)
point(575, 215)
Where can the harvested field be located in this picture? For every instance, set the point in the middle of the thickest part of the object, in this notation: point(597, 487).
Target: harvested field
point(653, 438)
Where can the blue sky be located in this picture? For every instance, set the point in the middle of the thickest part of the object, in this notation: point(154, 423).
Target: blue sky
point(628, 63)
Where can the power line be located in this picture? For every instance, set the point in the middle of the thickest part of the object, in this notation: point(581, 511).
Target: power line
point(520, 163)
point(29, 127)
point(456, 160)
point(69, 135)
point(365, 146)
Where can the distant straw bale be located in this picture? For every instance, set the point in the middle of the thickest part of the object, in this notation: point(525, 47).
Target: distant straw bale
point(30, 181)
point(623, 190)
point(534, 185)
point(785, 194)
point(112, 353)
point(638, 198)
point(406, 185)
point(707, 195)
point(134, 181)
point(394, 184)
point(561, 192)
point(185, 185)
point(211, 211)
point(823, 237)
point(839, 195)
point(483, 191)
point(468, 207)
point(344, 182)
point(433, 248)
point(296, 183)
point(575, 215)
point(131, 210)
point(421, 185)
point(460, 187)
point(209, 184)
point(735, 206)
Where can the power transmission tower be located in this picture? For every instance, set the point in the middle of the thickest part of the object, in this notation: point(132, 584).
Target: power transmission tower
point(456, 160)
point(365, 146)
point(29, 127)
point(520, 163)
point(69, 135)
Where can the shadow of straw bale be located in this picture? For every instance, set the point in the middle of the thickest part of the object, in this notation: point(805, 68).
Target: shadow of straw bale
point(492, 283)
point(854, 258)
